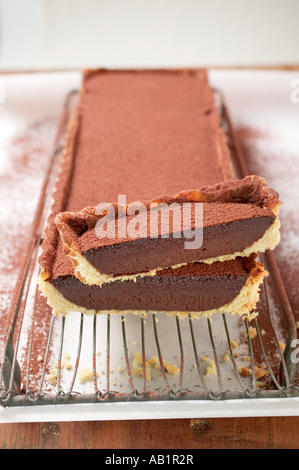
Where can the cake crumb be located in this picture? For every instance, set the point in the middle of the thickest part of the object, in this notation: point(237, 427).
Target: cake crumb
point(151, 362)
point(40, 358)
point(246, 358)
point(282, 345)
point(260, 384)
point(244, 371)
point(252, 332)
point(86, 375)
point(68, 365)
point(137, 358)
point(137, 368)
point(234, 344)
point(121, 369)
point(251, 316)
point(154, 361)
point(260, 372)
point(53, 376)
point(211, 367)
point(227, 356)
point(170, 368)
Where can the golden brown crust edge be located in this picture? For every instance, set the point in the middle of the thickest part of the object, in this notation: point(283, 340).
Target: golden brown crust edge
point(60, 195)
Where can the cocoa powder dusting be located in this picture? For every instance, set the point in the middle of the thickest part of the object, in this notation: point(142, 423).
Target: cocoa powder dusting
point(268, 156)
point(24, 161)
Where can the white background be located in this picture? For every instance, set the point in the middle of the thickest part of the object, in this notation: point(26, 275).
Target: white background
point(39, 34)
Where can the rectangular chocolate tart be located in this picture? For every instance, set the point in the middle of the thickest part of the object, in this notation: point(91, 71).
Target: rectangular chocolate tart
point(141, 134)
point(237, 218)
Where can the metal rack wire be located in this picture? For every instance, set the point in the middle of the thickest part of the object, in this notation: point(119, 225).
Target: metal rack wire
point(24, 373)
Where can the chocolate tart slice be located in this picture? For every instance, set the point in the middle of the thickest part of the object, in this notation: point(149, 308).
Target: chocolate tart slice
point(195, 289)
point(234, 218)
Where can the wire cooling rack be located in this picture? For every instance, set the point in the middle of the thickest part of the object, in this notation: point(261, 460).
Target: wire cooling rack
point(117, 358)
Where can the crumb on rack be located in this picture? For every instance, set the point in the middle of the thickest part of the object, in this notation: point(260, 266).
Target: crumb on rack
point(211, 367)
point(86, 375)
point(170, 368)
point(246, 358)
point(68, 365)
point(261, 371)
point(251, 316)
point(121, 369)
point(252, 332)
point(227, 356)
point(149, 363)
point(282, 345)
point(260, 384)
point(245, 371)
point(53, 375)
point(137, 368)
